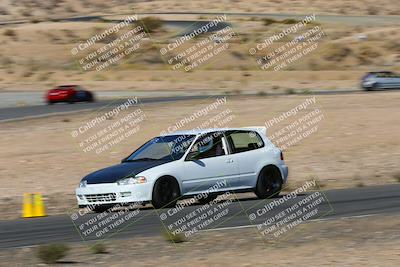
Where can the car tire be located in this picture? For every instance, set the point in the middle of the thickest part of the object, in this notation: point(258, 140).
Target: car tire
point(165, 193)
point(269, 182)
point(72, 100)
point(101, 208)
point(375, 86)
point(209, 198)
point(90, 97)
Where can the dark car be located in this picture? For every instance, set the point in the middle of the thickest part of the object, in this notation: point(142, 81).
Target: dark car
point(69, 94)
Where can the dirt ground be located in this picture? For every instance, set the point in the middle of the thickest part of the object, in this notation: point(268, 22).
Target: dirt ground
point(355, 143)
point(37, 56)
point(29, 9)
point(368, 241)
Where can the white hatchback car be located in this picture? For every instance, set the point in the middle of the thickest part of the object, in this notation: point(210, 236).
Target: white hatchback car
point(195, 163)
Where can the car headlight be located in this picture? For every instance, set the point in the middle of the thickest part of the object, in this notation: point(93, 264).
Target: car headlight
point(132, 180)
point(83, 183)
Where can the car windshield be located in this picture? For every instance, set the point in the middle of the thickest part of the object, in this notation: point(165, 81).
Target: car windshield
point(171, 147)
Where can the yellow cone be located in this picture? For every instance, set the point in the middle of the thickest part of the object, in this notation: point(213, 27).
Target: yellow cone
point(27, 206)
point(33, 206)
point(39, 205)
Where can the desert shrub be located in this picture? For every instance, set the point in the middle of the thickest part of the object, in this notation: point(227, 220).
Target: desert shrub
point(3, 12)
point(173, 237)
point(151, 24)
point(360, 184)
point(289, 21)
point(52, 253)
point(268, 21)
point(10, 33)
point(261, 93)
point(369, 52)
point(290, 91)
point(237, 55)
point(44, 76)
point(313, 64)
point(26, 12)
point(372, 10)
point(397, 176)
point(35, 20)
point(336, 52)
point(98, 248)
point(27, 74)
point(6, 61)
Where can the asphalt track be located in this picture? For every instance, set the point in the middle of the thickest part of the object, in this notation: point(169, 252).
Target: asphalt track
point(366, 20)
point(15, 113)
point(363, 201)
point(25, 112)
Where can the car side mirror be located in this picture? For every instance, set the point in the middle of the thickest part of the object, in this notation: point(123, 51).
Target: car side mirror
point(192, 155)
point(124, 159)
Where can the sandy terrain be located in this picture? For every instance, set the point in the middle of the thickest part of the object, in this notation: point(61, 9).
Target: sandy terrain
point(37, 56)
point(29, 9)
point(371, 241)
point(356, 144)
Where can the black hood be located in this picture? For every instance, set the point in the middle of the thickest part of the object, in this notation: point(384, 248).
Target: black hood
point(114, 173)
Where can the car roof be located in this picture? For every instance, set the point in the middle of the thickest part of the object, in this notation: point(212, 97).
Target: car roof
point(383, 72)
point(259, 129)
point(72, 85)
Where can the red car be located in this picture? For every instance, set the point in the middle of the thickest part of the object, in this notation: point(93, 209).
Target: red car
point(69, 94)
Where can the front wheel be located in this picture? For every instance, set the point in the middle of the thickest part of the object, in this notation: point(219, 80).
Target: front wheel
point(165, 193)
point(101, 208)
point(269, 182)
point(207, 199)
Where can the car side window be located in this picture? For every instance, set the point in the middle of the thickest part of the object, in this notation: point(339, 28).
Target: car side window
point(209, 145)
point(242, 141)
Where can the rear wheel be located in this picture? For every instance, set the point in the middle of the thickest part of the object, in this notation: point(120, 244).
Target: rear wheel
point(165, 193)
point(269, 182)
point(90, 97)
point(72, 99)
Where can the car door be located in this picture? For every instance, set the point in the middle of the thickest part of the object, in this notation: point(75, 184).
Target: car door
point(209, 165)
point(394, 81)
point(245, 146)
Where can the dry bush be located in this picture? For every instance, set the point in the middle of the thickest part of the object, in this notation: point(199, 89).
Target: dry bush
point(336, 52)
point(52, 253)
point(98, 248)
point(289, 21)
point(3, 12)
point(151, 24)
point(268, 21)
point(372, 10)
point(369, 51)
point(173, 237)
point(10, 33)
point(393, 46)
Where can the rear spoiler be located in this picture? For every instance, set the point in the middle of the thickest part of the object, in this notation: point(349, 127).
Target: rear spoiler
point(259, 129)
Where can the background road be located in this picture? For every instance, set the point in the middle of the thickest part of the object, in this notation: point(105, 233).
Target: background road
point(345, 19)
point(33, 111)
point(341, 203)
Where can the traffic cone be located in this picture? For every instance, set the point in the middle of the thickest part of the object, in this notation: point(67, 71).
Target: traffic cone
point(33, 206)
point(27, 209)
point(38, 205)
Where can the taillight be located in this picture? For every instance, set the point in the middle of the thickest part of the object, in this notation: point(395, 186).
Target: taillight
point(282, 156)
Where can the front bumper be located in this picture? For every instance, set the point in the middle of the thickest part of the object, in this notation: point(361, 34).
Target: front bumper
point(284, 172)
point(112, 193)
